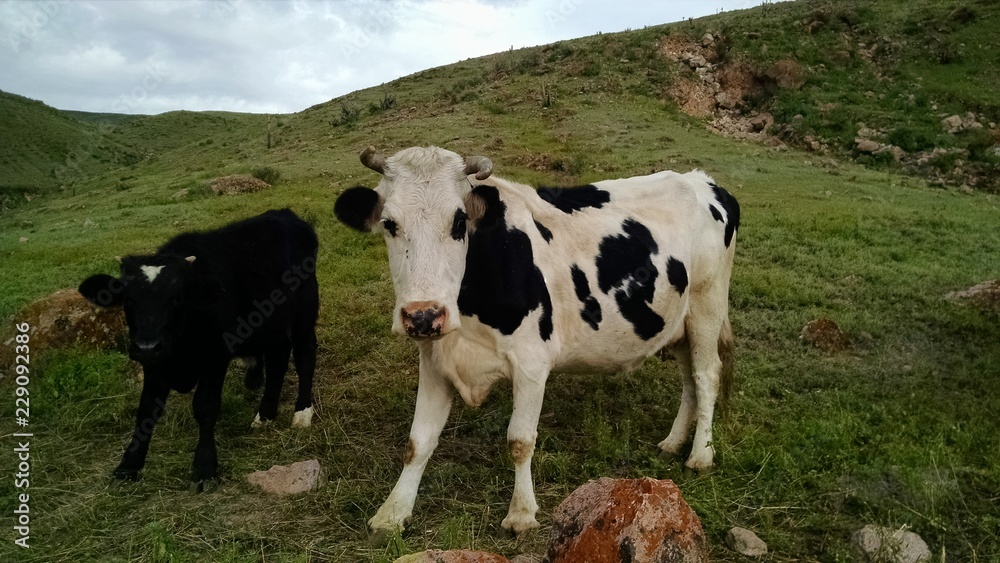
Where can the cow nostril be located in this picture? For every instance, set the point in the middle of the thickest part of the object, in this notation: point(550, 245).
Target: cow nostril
point(422, 322)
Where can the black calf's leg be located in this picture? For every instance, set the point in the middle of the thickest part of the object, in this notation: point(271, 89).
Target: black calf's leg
point(255, 373)
point(275, 367)
point(152, 403)
point(305, 367)
point(207, 403)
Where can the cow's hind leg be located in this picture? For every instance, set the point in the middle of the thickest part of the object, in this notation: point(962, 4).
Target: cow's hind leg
point(304, 349)
point(434, 397)
point(275, 367)
point(704, 325)
point(680, 432)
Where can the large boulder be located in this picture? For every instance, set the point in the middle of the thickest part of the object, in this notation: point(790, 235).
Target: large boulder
point(64, 320)
point(626, 520)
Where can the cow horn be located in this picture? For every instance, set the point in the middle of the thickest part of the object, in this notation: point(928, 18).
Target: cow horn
point(481, 166)
point(372, 159)
point(191, 259)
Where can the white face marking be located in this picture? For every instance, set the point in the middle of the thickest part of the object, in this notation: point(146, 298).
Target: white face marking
point(151, 272)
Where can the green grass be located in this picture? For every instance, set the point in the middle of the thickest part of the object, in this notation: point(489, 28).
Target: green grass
point(898, 430)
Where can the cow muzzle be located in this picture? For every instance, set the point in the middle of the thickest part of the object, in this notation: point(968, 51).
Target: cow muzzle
point(424, 319)
point(146, 350)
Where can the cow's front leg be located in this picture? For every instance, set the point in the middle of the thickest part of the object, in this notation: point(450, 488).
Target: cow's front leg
point(206, 404)
point(529, 390)
point(434, 396)
point(152, 404)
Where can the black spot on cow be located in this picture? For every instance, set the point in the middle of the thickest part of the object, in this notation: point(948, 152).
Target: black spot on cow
point(545, 232)
point(390, 227)
point(625, 266)
point(591, 312)
point(458, 225)
point(569, 200)
point(677, 274)
point(732, 207)
point(716, 214)
point(502, 284)
point(626, 550)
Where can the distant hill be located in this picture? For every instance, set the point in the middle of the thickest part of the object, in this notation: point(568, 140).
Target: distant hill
point(44, 148)
point(905, 86)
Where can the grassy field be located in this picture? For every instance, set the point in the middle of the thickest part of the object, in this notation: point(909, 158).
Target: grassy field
point(899, 430)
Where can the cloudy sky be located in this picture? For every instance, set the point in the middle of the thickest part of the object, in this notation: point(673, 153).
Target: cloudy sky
point(277, 56)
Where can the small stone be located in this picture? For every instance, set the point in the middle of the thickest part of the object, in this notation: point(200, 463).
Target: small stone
point(707, 39)
point(950, 123)
point(452, 556)
point(284, 480)
point(180, 193)
point(877, 544)
point(866, 145)
point(761, 121)
point(22, 239)
point(745, 542)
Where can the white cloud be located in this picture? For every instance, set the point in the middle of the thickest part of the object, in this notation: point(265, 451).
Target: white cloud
point(276, 56)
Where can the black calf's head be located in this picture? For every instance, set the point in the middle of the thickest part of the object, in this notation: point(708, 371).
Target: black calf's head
point(157, 292)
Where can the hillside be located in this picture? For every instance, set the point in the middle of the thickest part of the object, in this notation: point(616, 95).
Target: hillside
point(898, 429)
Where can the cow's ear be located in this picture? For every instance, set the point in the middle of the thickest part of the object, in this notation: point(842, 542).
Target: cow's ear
point(484, 208)
point(103, 290)
point(203, 291)
point(359, 208)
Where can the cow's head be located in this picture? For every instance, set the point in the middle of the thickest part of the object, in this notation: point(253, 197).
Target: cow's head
point(156, 292)
point(425, 207)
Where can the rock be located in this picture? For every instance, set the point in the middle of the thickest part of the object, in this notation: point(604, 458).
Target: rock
point(697, 61)
point(825, 335)
point(885, 545)
point(867, 145)
point(284, 480)
point(762, 121)
point(952, 123)
point(22, 239)
point(180, 194)
point(745, 542)
point(725, 101)
point(626, 520)
point(985, 295)
point(788, 74)
point(452, 556)
point(65, 319)
point(707, 40)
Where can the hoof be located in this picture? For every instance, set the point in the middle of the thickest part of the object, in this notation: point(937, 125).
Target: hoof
point(519, 526)
point(126, 474)
point(258, 422)
point(209, 485)
point(381, 537)
point(302, 418)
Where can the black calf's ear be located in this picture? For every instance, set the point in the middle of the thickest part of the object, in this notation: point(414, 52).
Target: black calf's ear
point(359, 208)
point(103, 290)
point(484, 208)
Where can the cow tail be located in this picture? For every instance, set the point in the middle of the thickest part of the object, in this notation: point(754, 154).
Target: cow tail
point(726, 374)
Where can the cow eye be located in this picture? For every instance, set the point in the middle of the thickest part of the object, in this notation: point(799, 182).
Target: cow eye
point(390, 227)
point(458, 225)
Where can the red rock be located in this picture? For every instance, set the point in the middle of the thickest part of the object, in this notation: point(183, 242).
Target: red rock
point(626, 520)
point(284, 480)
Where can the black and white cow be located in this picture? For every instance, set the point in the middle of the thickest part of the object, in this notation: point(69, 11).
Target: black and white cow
point(245, 290)
point(497, 280)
